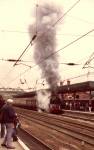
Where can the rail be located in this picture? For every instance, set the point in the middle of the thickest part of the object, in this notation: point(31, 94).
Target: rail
point(31, 141)
point(88, 116)
point(65, 131)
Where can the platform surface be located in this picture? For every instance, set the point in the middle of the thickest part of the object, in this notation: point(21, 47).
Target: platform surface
point(15, 144)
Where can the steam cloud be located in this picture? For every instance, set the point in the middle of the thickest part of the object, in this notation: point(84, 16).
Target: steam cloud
point(45, 44)
point(43, 100)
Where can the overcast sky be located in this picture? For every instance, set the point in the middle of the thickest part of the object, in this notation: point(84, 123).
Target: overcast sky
point(15, 18)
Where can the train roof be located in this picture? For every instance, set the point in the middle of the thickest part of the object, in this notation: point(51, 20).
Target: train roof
point(77, 87)
point(25, 95)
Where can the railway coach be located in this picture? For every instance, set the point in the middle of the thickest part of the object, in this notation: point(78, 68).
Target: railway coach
point(26, 100)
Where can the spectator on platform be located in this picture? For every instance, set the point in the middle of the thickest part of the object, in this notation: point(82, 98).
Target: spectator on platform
point(90, 107)
point(70, 106)
point(2, 102)
point(8, 119)
point(17, 125)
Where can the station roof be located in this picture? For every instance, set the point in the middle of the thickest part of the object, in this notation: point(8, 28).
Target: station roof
point(77, 87)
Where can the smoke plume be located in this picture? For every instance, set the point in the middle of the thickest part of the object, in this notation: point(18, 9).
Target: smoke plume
point(43, 100)
point(45, 44)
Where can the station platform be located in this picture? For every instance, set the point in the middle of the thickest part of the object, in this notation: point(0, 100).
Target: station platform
point(19, 145)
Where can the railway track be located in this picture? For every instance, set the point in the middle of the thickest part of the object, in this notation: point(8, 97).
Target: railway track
point(43, 135)
point(32, 142)
point(88, 116)
point(59, 131)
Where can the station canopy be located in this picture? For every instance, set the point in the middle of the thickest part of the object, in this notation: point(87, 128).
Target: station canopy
point(77, 87)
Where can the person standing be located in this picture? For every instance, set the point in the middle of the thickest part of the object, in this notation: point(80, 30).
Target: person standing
point(2, 102)
point(8, 119)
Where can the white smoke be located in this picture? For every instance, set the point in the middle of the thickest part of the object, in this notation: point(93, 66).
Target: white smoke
point(43, 100)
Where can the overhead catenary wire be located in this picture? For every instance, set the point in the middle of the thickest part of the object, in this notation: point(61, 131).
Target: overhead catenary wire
point(71, 78)
point(14, 60)
point(70, 64)
point(76, 77)
point(89, 60)
point(18, 60)
point(81, 19)
point(30, 43)
point(82, 75)
point(90, 31)
point(37, 5)
point(66, 12)
point(56, 51)
point(24, 64)
point(58, 34)
point(10, 60)
point(74, 17)
point(65, 46)
point(34, 37)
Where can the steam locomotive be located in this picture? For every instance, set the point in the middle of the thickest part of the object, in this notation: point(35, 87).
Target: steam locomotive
point(55, 105)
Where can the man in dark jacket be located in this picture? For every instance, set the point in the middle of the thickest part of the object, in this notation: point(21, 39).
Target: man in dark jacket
point(8, 119)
